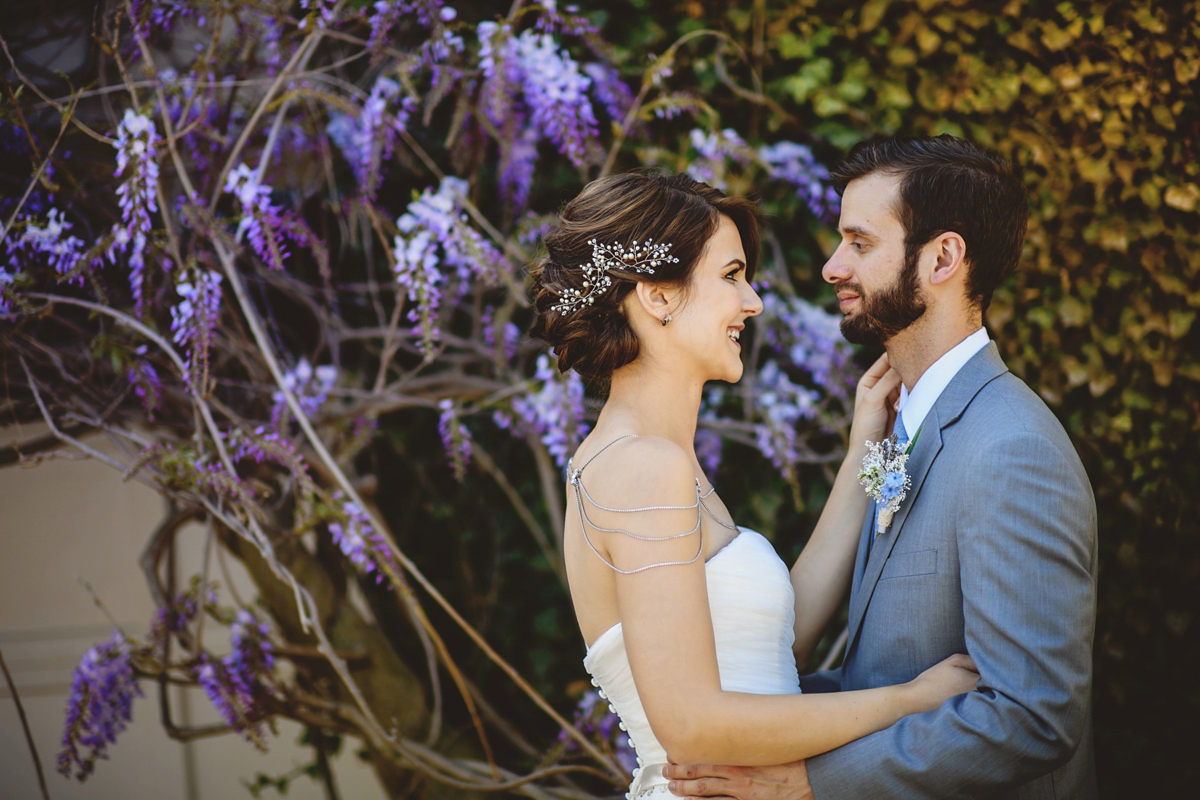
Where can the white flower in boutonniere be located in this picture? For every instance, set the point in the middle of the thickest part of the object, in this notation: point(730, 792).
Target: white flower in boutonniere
point(885, 479)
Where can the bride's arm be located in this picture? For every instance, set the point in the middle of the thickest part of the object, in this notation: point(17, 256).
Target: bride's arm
point(821, 574)
point(668, 635)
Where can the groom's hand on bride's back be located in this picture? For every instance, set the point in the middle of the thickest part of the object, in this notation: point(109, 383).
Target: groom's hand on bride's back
point(782, 782)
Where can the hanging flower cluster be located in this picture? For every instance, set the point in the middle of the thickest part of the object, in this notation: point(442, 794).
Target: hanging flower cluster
point(594, 718)
point(193, 319)
point(137, 139)
point(7, 279)
point(386, 15)
point(794, 163)
point(100, 705)
point(533, 90)
point(434, 237)
point(357, 538)
point(237, 685)
point(553, 88)
point(455, 437)
point(53, 241)
point(263, 223)
point(552, 410)
point(311, 387)
point(714, 152)
point(782, 405)
point(809, 338)
point(369, 142)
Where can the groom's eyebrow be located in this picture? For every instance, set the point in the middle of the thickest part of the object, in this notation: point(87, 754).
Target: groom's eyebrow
point(857, 230)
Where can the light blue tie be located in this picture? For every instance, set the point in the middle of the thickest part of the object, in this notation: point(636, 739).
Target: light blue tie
point(898, 430)
point(902, 437)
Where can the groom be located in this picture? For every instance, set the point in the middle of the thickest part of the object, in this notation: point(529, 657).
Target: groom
point(993, 551)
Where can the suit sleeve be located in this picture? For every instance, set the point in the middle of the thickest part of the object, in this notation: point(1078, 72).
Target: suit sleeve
point(1026, 536)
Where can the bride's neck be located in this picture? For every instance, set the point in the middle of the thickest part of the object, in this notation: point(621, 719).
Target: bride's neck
point(653, 400)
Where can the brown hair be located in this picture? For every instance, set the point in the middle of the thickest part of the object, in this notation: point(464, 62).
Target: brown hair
point(596, 339)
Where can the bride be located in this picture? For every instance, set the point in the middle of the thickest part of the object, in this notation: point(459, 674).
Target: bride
point(694, 626)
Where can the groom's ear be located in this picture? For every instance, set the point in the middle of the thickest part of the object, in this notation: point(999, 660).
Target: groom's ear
point(948, 252)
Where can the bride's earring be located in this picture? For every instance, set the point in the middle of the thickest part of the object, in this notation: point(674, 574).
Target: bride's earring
point(666, 320)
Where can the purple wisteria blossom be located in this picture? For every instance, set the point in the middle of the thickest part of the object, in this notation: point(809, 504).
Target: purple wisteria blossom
point(782, 405)
point(137, 139)
point(566, 21)
point(455, 437)
point(596, 718)
point(239, 684)
point(368, 144)
point(612, 92)
point(709, 444)
point(6, 281)
point(181, 611)
point(553, 89)
point(263, 223)
point(146, 383)
point(357, 538)
point(264, 446)
point(100, 705)
point(52, 242)
point(386, 14)
point(810, 338)
point(193, 319)
point(435, 238)
point(715, 151)
point(517, 163)
point(152, 18)
point(322, 11)
point(18, 152)
point(552, 410)
point(435, 54)
point(794, 163)
point(506, 337)
point(311, 387)
point(709, 450)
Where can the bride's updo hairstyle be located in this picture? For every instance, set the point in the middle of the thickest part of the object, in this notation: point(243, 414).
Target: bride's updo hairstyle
point(595, 338)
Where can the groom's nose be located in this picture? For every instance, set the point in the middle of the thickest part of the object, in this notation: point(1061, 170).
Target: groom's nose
point(835, 269)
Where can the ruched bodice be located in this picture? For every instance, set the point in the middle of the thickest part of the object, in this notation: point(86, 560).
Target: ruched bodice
point(750, 597)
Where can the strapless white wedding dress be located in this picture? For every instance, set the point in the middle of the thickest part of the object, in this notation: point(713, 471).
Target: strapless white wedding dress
point(750, 596)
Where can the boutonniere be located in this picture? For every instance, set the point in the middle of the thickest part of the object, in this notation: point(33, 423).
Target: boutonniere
point(884, 477)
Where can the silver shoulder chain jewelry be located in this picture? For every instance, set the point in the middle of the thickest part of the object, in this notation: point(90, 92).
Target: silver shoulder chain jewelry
point(642, 258)
point(575, 479)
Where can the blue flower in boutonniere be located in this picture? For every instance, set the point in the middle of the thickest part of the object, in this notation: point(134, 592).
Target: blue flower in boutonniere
point(884, 477)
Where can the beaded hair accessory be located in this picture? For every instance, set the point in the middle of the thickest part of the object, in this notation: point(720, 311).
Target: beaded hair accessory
point(596, 280)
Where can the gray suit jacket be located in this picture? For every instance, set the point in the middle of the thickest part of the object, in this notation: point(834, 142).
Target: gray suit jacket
point(993, 553)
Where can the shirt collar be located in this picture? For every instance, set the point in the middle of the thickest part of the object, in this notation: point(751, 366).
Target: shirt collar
point(915, 405)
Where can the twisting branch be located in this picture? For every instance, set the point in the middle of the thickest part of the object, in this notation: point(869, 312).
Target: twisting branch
point(16, 696)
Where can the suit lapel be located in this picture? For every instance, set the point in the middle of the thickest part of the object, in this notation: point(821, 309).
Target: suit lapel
point(928, 445)
point(984, 367)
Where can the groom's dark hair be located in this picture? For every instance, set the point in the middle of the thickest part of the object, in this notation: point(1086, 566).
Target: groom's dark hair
point(948, 184)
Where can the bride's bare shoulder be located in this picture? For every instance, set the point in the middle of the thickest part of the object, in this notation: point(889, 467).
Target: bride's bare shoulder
point(641, 471)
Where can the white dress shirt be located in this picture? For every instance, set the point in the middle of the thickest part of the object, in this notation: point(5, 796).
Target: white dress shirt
point(915, 405)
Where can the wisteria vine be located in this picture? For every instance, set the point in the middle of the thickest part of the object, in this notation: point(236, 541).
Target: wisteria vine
point(298, 250)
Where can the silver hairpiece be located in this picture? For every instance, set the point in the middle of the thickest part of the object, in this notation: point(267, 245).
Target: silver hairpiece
point(596, 280)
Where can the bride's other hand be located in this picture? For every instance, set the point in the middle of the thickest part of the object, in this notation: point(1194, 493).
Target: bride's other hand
point(956, 675)
point(875, 403)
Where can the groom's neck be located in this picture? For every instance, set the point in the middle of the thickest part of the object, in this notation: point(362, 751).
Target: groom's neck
point(916, 348)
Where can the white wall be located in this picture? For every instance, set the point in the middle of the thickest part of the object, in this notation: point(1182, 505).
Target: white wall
point(69, 522)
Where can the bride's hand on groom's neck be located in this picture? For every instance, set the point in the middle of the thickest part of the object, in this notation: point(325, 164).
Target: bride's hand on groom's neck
point(875, 403)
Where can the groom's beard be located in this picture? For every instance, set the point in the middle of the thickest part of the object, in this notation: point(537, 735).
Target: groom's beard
point(886, 312)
